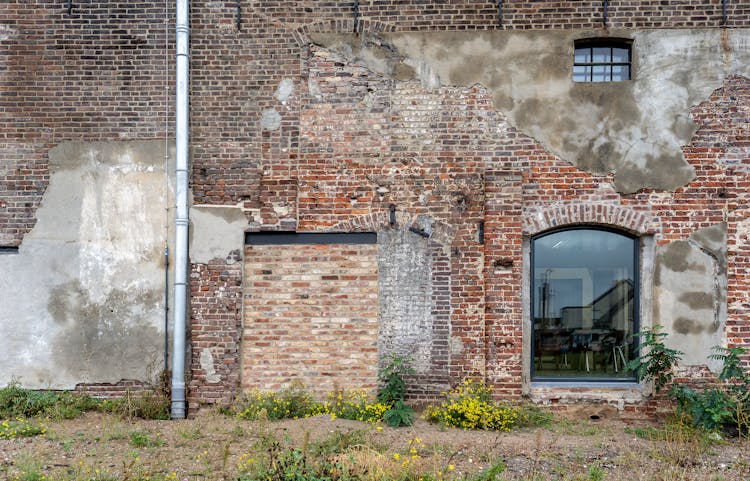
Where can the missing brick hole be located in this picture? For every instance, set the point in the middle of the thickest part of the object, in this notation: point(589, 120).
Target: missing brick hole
point(8, 250)
point(504, 264)
point(595, 417)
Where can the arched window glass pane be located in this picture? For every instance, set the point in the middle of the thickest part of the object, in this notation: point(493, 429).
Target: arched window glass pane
point(584, 304)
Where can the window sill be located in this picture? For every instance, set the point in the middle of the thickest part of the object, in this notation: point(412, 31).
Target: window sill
point(585, 384)
point(621, 393)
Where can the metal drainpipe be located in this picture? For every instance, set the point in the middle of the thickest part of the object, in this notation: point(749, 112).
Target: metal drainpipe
point(182, 38)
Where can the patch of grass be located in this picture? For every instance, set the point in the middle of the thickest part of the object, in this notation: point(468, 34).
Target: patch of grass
point(644, 432)
point(337, 442)
point(147, 404)
point(17, 402)
point(67, 444)
point(28, 468)
point(679, 443)
point(115, 432)
point(141, 439)
point(492, 473)
point(190, 433)
point(596, 473)
point(576, 428)
point(238, 431)
point(531, 416)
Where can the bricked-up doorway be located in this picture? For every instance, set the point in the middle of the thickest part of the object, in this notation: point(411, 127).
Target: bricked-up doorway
point(310, 311)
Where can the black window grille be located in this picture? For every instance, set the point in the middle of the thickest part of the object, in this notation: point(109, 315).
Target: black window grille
point(602, 61)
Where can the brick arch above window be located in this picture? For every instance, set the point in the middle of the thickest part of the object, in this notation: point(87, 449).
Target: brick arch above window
point(439, 232)
point(364, 27)
point(636, 222)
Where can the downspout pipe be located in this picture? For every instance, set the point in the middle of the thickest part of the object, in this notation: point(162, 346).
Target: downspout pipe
point(182, 39)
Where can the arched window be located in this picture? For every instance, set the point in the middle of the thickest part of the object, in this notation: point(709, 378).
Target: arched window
point(584, 304)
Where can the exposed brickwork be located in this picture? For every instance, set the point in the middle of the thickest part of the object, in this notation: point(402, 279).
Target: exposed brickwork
point(302, 139)
point(120, 389)
point(503, 272)
point(98, 74)
point(585, 213)
point(214, 332)
point(310, 316)
point(516, 14)
point(358, 157)
point(23, 178)
point(723, 146)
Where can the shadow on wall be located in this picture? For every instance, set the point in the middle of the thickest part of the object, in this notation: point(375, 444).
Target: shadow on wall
point(99, 340)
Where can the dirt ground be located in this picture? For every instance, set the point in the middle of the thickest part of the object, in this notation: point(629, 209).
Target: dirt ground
point(213, 446)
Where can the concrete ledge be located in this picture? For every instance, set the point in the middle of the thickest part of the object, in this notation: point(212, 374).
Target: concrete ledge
point(619, 393)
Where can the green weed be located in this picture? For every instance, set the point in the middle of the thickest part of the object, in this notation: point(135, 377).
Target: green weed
point(140, 439)
point(20, 428)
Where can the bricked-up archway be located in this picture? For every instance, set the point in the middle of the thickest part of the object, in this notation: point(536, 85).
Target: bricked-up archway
point(415, 295)
point(310, 311)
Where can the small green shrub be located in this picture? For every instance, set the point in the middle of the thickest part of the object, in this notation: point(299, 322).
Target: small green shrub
point(399, 415)
point(278, 463)
point(470, 406)
point(530, 416)
point(393, 384)
point(29, 468)
point(725, 406)
point(655, 361)
point(722, 406)
point(393, 390)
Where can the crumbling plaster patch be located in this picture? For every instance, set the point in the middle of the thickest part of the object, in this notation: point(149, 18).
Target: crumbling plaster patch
point(88, 282)
point(215, 231)
point(634, 128)
point(690, 294)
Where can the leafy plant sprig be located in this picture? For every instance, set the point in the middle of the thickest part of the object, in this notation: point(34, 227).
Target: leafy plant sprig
point(393, 390)
point(655, 360)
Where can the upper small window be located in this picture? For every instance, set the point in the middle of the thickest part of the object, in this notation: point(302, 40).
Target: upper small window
point(602, 60)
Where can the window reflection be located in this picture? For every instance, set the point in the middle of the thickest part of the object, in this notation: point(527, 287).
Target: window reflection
point(583, 304)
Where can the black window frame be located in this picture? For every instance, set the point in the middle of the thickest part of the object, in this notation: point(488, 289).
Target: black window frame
point(608, 43)
point(636, 241)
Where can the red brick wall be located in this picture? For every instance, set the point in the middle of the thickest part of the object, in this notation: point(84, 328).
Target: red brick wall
point(215, 325)
point(356, 158)
point(310, 316)
point(517, 14)
point(98, 74)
